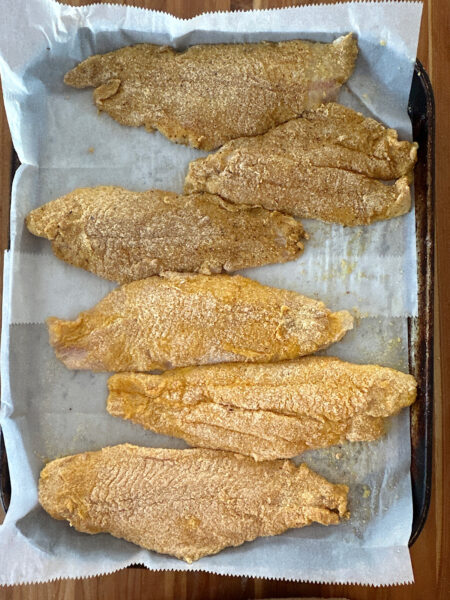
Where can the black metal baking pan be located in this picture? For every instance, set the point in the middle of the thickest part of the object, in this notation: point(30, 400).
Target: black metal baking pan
point(420, 329)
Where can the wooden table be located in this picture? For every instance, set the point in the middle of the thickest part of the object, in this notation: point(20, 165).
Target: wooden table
point(431, 553)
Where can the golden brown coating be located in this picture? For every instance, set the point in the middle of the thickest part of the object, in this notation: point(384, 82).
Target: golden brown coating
point(124, 236)
point(182, 320)
point(188, 503)
point(266, 411)
point(210, 94)
point(323, 165)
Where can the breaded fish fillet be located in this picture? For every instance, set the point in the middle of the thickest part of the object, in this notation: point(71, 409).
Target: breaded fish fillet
point(210, 94)
point(266, 411)
point(324, 165)
point(124, 236)
point(182, 320)
point(188, 503)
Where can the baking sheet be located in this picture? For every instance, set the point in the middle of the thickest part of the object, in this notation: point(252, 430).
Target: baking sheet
point(48, 411)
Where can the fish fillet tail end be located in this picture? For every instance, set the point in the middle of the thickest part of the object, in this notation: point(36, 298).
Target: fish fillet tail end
point(340, 507)
point(60, 332)
point(402, 203)
point(34, 224)
point(85, 73)
point(328, 500)
point(347, 47)
point(340, 323)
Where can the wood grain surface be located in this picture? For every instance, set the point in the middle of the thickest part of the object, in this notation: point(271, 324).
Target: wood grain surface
point(431, 553)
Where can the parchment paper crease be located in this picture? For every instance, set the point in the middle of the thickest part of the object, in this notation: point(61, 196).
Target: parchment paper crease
point(48, 411)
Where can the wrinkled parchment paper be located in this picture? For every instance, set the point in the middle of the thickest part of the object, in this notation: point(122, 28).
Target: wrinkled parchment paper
point(48, 411)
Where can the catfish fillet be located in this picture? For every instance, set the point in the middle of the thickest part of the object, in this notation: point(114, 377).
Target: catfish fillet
point(188, 503)
point(182, 320)
point(210, 94)
point(265, 411)
point(124, 236)
point(324, 165)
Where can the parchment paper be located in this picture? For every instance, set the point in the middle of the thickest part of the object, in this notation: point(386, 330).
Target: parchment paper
point(48, 411)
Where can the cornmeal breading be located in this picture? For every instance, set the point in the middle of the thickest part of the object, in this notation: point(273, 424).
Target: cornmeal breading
point(210, 94)
point(181, 320)
point(266, 411)
point(124, 236)
point(188, 503)
point(324, 165)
